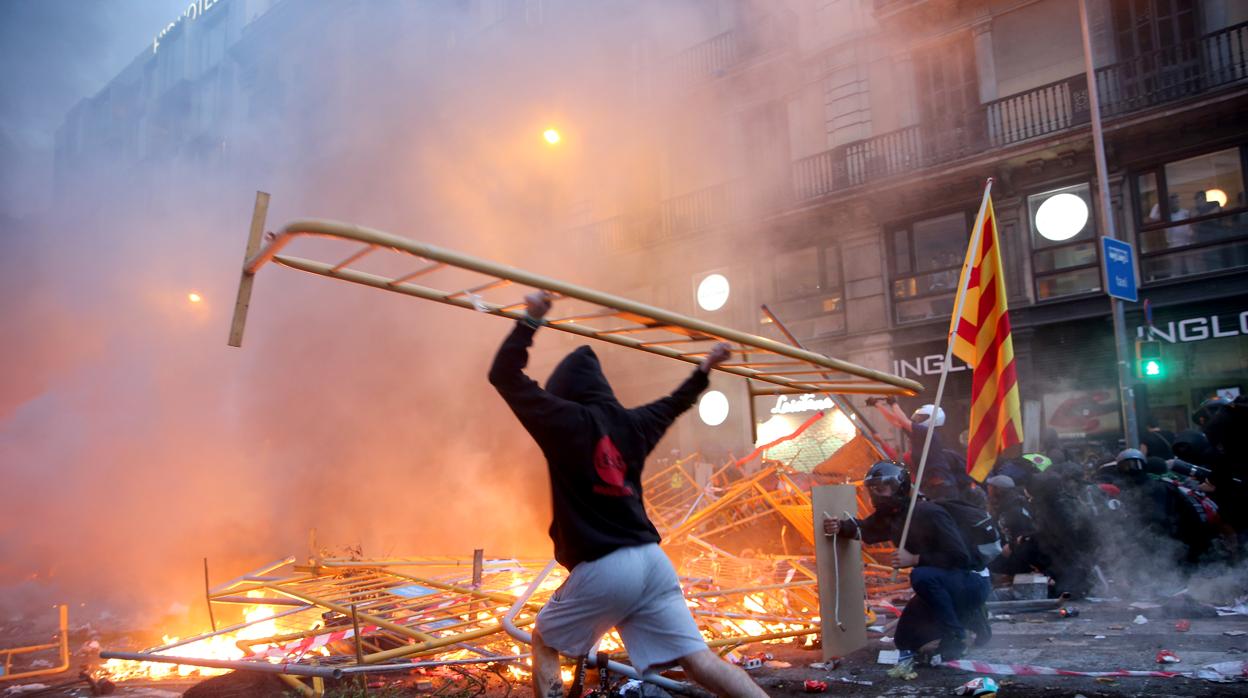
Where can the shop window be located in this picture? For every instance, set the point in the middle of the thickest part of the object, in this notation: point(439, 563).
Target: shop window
point(925, 260)
point(1063, 242)
point(808, 291)
point(1193, 217)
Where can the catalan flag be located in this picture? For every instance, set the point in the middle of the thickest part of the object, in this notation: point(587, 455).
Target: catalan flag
point(981, 339)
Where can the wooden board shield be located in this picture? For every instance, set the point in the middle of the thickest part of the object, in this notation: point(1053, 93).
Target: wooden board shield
point(842, 589)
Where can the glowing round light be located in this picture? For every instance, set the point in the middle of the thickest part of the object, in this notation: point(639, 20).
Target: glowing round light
point(194, 297)
point(1061, 217)
point(713, 292)
point(1216, 196)
point(713, 408)
point(551, 136)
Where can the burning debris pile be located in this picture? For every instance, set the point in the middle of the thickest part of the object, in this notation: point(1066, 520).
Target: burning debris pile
point(742, 536)
point(742, 533)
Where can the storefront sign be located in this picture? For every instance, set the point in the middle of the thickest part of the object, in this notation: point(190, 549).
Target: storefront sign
point(789, 404)
point(1198, 329)
point(193, 12)
point(929, 365)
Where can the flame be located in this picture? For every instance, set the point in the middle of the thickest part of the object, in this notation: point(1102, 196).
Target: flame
point(223, 647)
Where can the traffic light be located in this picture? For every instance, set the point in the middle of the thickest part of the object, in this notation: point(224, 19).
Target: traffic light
point(1148, 359)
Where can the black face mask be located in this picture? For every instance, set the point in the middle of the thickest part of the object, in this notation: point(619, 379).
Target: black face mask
point(887, 503)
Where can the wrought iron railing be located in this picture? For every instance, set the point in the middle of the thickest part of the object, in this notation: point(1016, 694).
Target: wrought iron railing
point(1174, 72)
point(1038, 112)
point(1210, 62)
point(696, 210)
point(708, 59)
point(717, 55)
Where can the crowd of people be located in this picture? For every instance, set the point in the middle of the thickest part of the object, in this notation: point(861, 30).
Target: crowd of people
point(1174, 503)
point(1037, 512)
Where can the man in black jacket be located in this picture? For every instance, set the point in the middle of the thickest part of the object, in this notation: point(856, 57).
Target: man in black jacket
point(595, 450)
point(949, 588)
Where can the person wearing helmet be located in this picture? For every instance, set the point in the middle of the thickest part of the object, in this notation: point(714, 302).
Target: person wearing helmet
point(1226, 433)
point(940, 481)
point(1160, 509)
point(949, 591)
point(1208, 410)
point(1156, 441)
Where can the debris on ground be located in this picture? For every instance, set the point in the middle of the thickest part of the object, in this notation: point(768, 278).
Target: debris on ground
point(1167, 657)
point(982, 687)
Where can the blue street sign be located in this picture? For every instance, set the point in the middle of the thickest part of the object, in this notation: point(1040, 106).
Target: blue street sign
point(1119, 260)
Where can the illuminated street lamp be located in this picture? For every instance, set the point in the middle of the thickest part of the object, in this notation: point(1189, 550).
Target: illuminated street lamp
point(551, 135)
point(713, 408)
point(713, 292)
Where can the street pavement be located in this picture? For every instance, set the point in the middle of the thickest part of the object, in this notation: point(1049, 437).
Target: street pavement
point(1103, 637)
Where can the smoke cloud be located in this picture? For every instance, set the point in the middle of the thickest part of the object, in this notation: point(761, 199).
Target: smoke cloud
point(134, 442)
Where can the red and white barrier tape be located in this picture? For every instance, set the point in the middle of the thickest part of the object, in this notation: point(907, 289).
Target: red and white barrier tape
point(1222, 671)
point(300, 647)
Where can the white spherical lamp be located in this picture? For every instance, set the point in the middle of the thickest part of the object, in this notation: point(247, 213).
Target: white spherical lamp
point(713, 292)
point(1061, 217)
point(713, 408)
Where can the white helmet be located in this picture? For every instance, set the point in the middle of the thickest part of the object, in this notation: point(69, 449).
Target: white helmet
point(925, 412)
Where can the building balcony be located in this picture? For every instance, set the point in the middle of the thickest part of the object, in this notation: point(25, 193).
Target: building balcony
point(720, 54)
point(698, 210)
point(1170, 75)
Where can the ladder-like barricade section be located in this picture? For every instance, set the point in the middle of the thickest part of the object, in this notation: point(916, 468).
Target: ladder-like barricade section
point(401, 265)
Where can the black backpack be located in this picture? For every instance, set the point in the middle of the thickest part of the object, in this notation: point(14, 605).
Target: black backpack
point(979, 531)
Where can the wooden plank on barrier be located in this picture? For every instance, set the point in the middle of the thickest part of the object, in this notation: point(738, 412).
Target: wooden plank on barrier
point(838, 565)
point(243, 301)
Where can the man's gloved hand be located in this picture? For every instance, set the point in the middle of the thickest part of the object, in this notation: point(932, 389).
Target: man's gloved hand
point(537, 304)
point(718, 355)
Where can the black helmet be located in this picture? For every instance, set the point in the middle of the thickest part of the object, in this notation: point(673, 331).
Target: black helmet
point(1131, 460)
point(1193, 446)
point(887, 471)
point(1208, 409)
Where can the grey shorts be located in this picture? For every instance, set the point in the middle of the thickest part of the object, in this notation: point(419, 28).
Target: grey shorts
point(635, 591)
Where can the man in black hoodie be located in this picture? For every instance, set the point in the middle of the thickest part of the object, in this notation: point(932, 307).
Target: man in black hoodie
point(595, 450)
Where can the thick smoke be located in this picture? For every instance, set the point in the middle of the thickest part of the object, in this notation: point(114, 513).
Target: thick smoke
point(135, 442)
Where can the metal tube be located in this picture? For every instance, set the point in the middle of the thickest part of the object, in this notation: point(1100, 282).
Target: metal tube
point(1126, 392)
point(841, 403)
point(239, 580)
point(408, 666)
point(660, 316)
point(62, 645)
point(265, 667)
point(208, 598)
point(254, 601)
point(230, 629)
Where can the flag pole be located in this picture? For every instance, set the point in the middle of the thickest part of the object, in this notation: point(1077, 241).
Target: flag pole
point(963, 282)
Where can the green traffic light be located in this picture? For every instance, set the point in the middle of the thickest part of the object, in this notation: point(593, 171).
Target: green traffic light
point(1152, 367)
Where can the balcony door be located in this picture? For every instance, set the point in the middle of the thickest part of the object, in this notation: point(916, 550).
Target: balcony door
point(1159, 57)
point(951, 121)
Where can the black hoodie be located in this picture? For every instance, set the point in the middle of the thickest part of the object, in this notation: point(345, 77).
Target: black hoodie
point(595, 482)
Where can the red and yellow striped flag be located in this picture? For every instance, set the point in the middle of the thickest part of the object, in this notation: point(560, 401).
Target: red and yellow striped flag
point(981, 338)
